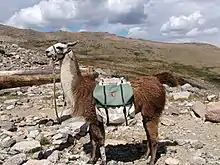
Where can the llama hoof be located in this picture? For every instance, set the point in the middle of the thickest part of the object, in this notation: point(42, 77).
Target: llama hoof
point(103, 163)
point(91, 161)
point(65, 104)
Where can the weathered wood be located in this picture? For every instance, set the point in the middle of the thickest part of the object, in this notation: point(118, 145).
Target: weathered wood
point(28, 72)
point(12, 79)
point(39, 71)
point(26, 80)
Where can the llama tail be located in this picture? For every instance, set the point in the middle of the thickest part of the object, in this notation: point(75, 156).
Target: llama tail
point(168, 78)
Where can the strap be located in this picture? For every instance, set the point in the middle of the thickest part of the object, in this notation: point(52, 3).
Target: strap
point(105, 101)
point(123, 101)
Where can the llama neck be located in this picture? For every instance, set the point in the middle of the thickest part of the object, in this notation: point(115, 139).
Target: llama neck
point(70, 75)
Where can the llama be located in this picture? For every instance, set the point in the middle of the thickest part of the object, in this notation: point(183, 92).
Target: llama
point(149, 100)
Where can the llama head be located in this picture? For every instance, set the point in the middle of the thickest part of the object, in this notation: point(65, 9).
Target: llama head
point(59, 50)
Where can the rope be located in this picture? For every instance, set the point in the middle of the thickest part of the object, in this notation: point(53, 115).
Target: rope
point(54, 93)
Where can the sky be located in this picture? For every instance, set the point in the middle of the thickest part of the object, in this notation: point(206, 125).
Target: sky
point(157, 20)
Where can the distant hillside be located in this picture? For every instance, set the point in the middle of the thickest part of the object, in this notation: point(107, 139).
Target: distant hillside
point(129, 56)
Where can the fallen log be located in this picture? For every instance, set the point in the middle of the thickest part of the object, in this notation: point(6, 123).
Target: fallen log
point(26, 80)
point(13, 79)
point(39, 72)
point(28, 72)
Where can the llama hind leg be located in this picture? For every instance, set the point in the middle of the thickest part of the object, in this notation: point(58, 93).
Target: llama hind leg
point(151, 128)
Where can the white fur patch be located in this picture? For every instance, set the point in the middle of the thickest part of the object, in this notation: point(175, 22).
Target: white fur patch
point(68, 79)
point(102, 152)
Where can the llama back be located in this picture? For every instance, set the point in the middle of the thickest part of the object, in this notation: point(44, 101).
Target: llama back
point(149, 94)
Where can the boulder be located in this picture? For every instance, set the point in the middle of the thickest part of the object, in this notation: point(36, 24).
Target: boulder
point(172, 161)
point(199, 109)
point(213, 112)
point(27, 146)
point(38, 162)
point(16, 159)
point(181, 95)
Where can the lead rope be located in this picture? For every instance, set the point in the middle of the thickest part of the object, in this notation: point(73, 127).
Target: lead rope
point(54, 93)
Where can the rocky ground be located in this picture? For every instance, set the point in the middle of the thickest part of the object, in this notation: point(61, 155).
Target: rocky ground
point(13, 57)
point(29, 133)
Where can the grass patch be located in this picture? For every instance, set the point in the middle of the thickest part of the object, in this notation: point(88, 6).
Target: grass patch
point(45, 141)
point(127, 59)
point(192, 97)
point(203, 73)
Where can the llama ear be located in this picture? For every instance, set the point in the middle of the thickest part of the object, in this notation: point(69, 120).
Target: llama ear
point(72, 43)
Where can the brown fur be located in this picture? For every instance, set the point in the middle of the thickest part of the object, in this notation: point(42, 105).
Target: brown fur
point(167, 78)
point(149, 99)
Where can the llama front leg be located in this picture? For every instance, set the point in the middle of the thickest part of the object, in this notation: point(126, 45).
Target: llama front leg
point(103, 155)
point(64, 101)
point(94, 157)
point(97, 136)
point(151, 128)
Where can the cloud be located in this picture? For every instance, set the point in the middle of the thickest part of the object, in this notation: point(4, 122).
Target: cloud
point(181, 24)
point(88, 13)
point(137, 32)
point(43, 14)
point(9, 7)
point(126, 11)
point(195, 32)
point(157, 20)
point(211, 31)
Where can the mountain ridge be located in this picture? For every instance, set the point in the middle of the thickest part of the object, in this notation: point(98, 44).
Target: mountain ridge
point(126, 55)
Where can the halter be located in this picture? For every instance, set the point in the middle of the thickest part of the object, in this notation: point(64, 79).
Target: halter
point(57, 58)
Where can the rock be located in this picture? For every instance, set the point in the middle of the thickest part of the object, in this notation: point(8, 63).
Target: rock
point(167, 122)
point(8, 126)
point(172, 161)
point(20, 137)
point(66, 112)
point(181, 95)
point(173, 111)
point(16, 159)
point(38, 162)
point(16, 119)
point(197, 161)
point(213, 112)
point(199, 109)
point(196, 144)
point(50, 123)
point(4, 118)
point(211, 97)
point(27, 146)
point(14, 46)
point(38, 155)
point(59, 136)
point(74, 123)
point(54, 157)
point(62, 138)
point(58, 142)
point(74, 157)
point(8, 142)
point(115, 142)
point(12, 101)
point(187, 87)
point(33, 134)
point(10, 107)
point(8, 133)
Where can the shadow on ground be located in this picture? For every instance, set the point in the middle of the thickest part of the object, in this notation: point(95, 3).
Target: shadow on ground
point(130, 152)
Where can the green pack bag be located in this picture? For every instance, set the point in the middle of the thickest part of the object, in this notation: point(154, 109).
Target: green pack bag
point(114, 101)
point(113, 95)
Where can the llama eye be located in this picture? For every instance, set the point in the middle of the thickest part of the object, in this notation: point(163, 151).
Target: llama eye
point(59, 47)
